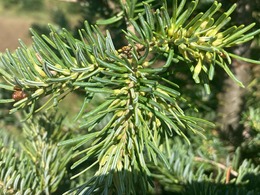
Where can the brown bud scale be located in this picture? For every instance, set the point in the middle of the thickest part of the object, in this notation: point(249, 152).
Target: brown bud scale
point(18, 94)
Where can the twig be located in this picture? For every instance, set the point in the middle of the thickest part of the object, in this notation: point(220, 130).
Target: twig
point(228, 174)
point(233, 172)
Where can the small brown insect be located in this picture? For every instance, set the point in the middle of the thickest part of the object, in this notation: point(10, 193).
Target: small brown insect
point(18, 94)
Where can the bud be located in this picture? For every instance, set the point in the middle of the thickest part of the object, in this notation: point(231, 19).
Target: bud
point(197, 69)
point(211, 32)
point(204, 24)
point(208, 57)
point(38, 92)
point(39, 70)
point(217, 42)
point(182, 50)
point(146, 64)
point(171, 31)
point(19, 95)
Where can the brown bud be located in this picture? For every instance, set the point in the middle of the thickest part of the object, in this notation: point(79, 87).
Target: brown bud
point(18, 94)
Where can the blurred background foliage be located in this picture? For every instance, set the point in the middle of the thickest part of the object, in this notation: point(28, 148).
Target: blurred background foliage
point(234, 110)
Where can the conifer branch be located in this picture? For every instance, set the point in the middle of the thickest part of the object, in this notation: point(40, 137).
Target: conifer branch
point(143, 104)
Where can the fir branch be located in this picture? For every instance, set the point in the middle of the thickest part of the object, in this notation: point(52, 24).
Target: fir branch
point(36, 165)
point(143, 105)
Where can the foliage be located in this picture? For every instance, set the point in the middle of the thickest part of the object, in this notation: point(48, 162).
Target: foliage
point(37, 165)
point(136, 134)
point(198, 172)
